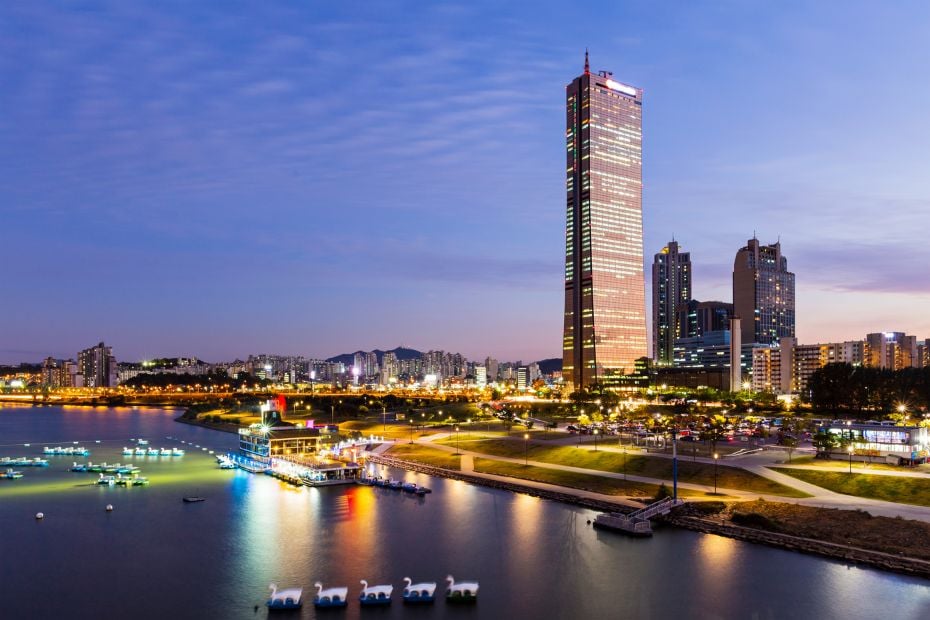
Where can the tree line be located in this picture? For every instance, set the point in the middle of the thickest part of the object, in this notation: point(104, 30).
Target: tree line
point(857, 389)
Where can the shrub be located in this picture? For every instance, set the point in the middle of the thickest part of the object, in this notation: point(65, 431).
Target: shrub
point(754, 520)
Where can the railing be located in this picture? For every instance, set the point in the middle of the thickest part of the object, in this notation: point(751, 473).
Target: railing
point(663, 506)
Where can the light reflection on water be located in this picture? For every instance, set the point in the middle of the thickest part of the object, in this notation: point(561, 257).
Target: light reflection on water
point(155, 556)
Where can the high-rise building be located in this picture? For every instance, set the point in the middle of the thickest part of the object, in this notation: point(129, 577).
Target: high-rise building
point(671, 290)
point(893, 350)
point(696, 318)
point(763, 293)
point(98, 366)
point(787, 368)
point(493, 369)
point(481, 377)
point(605, 296)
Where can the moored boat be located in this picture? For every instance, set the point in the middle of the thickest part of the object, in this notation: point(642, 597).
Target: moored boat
point(330, 597)
point(375, 595)
point(12, 474)
point(128, 451)
point(419, 593)
point(463, 592)
point(284, 599)
point(177, 452)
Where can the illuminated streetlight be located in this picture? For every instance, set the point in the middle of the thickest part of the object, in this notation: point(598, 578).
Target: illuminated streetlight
point(716, 456)
point(526, 437)
point(457, 453)
point(850, 450)
point(595, 440)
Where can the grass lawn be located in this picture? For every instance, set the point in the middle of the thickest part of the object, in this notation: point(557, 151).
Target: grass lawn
point(587, 482)
point(841, 465)
point(425, 455)
point(649, 466)
point(903, 490)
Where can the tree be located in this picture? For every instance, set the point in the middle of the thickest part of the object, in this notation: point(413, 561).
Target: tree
point(824, 443)
point(790, 442)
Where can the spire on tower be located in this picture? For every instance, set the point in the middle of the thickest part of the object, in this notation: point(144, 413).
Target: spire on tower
point(587, 67)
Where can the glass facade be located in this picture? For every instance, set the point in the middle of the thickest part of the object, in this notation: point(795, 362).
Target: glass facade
point(671, 292)
point(605, 298)
point(763, 293)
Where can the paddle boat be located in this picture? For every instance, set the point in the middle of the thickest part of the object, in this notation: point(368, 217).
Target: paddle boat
point(419, 593)
point(139, 452)
point(193, 499)
point(106, 480)
point(164, 452)
point(394, 484)
point(177, 452)
point(12, 474)
point(128, 451)
point(330, 597)
point(79, 467)
point(79, 451)
point(138, 481)
point(142, 442)
point(37, 462)
point(375, 595)
point(284, 599)
point(464, 592)
point(152, 452)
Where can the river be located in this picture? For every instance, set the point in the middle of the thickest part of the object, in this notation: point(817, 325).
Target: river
point(154, 556)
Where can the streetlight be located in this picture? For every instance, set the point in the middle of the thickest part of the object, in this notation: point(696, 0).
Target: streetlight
point(383, 418)
point(850, 450)
point(716, 456)
point(526, 437)
point(457, 453)
point(595, 440)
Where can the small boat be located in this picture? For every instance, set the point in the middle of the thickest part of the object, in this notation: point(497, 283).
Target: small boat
point(79, 467)
point(419, 593)
point(106, 480)
point(128, 451)
point(421, 491)
point(152, 452)
point(191, 499)
point(50, 450)
point(142, 442)
point(227, 464)
point(12, 474)
point(37, 462)
point(138, 481)
point(330, 597)
point(410, 487)
point(284, 599)
point(464, 592)
point(139, 452)
point(79, 451)
point(177, 452)
point(394, 484)
point(375, 595)
point(165, 452)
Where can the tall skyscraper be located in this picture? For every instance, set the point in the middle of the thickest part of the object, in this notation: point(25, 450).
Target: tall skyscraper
point(763, 293)
point(671, 291)
point(605, 295)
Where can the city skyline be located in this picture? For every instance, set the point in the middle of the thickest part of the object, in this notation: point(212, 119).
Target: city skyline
point(163, 185)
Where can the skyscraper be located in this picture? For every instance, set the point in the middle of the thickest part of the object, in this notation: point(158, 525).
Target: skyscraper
point(98, 366)
point(605, 296)
point(671, 291)
point(763, 293)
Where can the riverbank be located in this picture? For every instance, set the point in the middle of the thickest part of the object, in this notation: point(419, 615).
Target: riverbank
point(213, 426)
point(760, 521)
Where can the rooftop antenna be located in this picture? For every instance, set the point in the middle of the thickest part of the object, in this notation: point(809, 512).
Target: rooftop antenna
point(587, 67)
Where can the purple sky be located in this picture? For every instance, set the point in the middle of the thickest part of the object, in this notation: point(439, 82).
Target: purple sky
point(219, 179)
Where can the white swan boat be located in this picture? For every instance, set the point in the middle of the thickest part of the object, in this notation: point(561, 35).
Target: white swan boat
point(419, 593)
point(284, 599)
point(330, 597)
point(375, 595)
point(464, 592)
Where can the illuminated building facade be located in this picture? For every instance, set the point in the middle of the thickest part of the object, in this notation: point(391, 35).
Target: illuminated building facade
point(605, 296)
point(763, 293)
point(97, 366)
point(671, 291)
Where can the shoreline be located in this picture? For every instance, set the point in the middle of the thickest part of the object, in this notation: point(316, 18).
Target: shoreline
point(854, 555)
point(223, 427)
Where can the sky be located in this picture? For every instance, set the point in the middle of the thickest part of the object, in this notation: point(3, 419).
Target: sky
point(215, 179)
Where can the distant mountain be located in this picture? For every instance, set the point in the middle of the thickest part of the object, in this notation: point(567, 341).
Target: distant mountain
point(549, 366)
point(402, 354)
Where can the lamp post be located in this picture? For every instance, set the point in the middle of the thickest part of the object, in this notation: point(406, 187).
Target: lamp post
point(850, 450)
point(595, 440)
point(383, 418)
point(457, 453)
point(526, 437)
point(716, 456)
point(675, 464)
point(624, 463)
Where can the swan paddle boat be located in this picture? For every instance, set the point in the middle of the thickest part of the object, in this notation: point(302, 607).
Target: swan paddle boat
point(419, 593)
point(330, 597)
point(284, 599)
point(464, 592)
point(375, 595)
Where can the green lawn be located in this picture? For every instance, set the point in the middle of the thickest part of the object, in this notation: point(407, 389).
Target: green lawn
point(426, 455)
point(648, 466)
point(903, 490)
point(587, 482)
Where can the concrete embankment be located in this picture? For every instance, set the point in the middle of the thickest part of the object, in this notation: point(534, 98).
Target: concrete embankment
point(853, 555)
point(222, 426)
point(515, 487)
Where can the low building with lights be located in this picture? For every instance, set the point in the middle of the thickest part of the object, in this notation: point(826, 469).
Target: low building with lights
point(898, 445)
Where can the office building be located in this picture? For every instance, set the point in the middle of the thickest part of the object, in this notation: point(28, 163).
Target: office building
point(696, 318)
point(763, 293)
point(671, 291)
point(605, 305)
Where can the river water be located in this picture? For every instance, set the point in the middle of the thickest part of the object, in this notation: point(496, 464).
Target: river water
point(154, 556)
